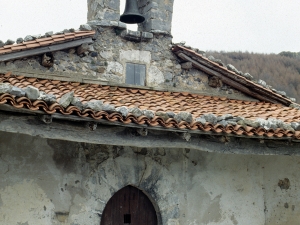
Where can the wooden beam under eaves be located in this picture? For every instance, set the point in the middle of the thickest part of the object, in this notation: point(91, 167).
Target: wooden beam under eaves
point(42, 50)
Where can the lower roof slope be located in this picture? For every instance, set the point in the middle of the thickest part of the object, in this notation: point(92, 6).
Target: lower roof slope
point(177, 110)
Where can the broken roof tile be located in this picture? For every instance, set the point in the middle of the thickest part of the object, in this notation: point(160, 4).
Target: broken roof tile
point(54, 39)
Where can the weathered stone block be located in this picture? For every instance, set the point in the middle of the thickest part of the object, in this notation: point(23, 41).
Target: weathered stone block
point(66, 99)
point(148, 113)
point(19, 40)
point(187, 65)
point(131, 35)
point(135, 56)
point(155, 76)
point(224, 117)
point(115, 68)
point(152, 5)
point(185, 116)
point(111, 16)
point(122, 25)
point(108, 108)
point(106, 54)
point(168, 76)
point(36, 36)
point(76, 102)
point(85, 27)
point(96, 105)
point(114, 5)
point(136, 112)
point(262, 83)
point(48, 98)
point(156, 24)
point(5, 88)
point(82, 49)
point(114, 23)
point(147, 35)
point(32, 93)
point(210, 118)
point(232, 68)
point(163, 115)
point(248, 76)
point(9, 42)
point(171, 114)
point(19, 92)
point(102, 22)
point(283, 93)
point(123, 110)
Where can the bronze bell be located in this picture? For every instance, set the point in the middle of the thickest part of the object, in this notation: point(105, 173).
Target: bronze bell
point(131, 14)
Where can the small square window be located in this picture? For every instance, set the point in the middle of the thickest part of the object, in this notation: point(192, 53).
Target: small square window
point(135, 74)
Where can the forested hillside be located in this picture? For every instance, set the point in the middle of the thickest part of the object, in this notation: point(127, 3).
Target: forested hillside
point(281, 71)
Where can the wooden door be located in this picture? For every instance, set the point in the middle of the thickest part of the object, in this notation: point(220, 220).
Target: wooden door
point(129, 206)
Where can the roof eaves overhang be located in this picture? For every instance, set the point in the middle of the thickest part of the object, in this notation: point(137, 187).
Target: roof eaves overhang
point(70, 128)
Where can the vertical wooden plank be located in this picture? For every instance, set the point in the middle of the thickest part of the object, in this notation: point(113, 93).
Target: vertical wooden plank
point(142, 74)
point(130, 73)
point(136, 74)
point(139, 74)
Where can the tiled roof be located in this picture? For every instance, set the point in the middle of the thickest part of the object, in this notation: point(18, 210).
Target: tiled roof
point(231, 78)
point(157, 101)
point(46, 41)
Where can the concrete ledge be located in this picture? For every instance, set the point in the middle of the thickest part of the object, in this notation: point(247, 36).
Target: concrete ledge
point(111, 134)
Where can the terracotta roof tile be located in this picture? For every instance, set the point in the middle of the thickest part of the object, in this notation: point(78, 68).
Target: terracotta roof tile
point(54, 39)
point(43, 39)
point(69, 37)
point(30, 42)
point(197, 105)
point(32, 45)
point(14, 48)
point(4, 51)
point(58, 39)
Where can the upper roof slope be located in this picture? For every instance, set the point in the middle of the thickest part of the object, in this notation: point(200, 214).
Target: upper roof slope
point(243, 83)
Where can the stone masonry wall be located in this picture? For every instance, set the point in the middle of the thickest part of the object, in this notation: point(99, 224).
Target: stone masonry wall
point(55, 182)
point(106, 60)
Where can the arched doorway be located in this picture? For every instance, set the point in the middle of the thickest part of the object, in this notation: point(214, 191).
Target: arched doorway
point(129, 206)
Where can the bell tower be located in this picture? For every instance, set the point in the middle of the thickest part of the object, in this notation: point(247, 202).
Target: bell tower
point(157, 13)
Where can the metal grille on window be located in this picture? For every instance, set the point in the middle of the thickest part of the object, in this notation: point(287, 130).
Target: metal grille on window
point(135, 74)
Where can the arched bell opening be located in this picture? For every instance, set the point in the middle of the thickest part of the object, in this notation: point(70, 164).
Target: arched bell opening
point(129, 205)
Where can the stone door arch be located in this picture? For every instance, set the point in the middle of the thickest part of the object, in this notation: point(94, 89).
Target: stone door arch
point(129, 206)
